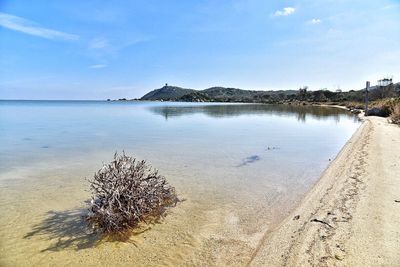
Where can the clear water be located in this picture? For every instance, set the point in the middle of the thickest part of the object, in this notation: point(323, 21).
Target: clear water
point(240, 167)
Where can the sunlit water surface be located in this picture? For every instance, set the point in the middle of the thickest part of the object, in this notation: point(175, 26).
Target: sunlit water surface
point(240, 169)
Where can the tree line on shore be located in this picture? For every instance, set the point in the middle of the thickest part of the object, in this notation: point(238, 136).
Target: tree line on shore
point(222, 94)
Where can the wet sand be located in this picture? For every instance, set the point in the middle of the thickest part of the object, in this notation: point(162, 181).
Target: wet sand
point(351, 217)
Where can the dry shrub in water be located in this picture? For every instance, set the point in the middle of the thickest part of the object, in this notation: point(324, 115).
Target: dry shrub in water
point(125, 192)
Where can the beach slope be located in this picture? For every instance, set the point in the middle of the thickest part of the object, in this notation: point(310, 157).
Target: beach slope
point(351, 217)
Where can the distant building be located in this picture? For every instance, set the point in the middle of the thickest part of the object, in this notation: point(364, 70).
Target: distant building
point(385, 82)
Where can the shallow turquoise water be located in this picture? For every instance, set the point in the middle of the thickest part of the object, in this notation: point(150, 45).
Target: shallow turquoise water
point(227, 149)
point(221, 144)
point(241, 168)
point(32, 131)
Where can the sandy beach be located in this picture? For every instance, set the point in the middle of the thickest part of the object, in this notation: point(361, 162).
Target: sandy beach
point(351, 216)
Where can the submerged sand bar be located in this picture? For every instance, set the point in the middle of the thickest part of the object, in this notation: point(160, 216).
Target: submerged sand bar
point(351, 217)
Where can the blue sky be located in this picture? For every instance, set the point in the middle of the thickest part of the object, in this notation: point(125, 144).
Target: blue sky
point(110, 49)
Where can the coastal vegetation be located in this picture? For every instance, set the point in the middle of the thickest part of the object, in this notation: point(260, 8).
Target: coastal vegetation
point(388, 107)
point(223, 94)
point(395, 116)
point(126, 192)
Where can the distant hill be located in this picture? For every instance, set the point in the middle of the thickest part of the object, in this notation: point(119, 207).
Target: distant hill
point(167, 93)
point(195, 97)
point(223, 94)
point(174, 93)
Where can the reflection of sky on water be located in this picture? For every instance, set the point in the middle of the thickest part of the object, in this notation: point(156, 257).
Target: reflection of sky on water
point(226, 110)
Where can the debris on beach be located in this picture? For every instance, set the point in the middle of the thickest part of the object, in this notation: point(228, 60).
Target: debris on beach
point(323, 222)
point(126, 192)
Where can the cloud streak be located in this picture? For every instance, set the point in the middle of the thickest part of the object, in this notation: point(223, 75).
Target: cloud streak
point(98, 43)
point(97, 66)
point(286, 11)
point(29, 27)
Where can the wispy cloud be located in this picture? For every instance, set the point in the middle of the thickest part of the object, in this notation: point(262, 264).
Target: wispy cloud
point(102, 43)
point(29, 27)
point(97, 66)
point(101, 49)
point(286, 11)
point(98, 43)
point(390, 6)
point(315, 21)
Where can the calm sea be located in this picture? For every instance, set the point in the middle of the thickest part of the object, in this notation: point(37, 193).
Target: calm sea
point(239, 167)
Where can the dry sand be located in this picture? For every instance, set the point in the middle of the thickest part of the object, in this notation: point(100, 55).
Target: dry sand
point(351, 217)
